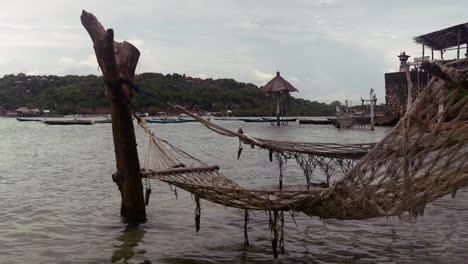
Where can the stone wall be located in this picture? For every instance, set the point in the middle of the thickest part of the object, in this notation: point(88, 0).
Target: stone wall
point(396, 90)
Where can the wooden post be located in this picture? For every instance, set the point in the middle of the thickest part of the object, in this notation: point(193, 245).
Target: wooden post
point(278, 104)
point(409, 101)
point(432, 53)
point(422, 52)
point(118, 60)
point(372, 97)
point(458, 44)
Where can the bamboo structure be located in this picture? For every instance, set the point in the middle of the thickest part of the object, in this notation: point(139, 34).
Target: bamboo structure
point(118, 61)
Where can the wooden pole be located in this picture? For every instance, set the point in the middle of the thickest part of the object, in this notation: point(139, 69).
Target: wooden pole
point(118, 60)
point(458, 44)
point(422, 52)
point(409, 101)
point(278, 113)
point(372, 97)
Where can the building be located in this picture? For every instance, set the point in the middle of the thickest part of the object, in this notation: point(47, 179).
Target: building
point(396, 86)
point(410, 74)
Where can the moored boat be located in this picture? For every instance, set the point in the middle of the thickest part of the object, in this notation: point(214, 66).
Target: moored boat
point(69, 122)
point(28, 119)
point(268, 120)
point(316, 122)
point(103, 121)
point(169, 121)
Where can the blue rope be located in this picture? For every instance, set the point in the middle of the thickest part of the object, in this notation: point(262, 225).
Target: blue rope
point(140, 90)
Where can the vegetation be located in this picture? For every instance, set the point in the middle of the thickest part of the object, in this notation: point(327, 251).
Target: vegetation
point(75, 94)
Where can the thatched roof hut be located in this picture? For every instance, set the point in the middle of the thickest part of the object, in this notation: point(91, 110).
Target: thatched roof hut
point(278, 85)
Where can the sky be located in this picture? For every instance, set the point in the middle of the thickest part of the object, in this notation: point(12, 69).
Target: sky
point(328, 49)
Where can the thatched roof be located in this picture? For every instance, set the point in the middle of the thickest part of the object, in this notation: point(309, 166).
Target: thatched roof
point(445, 38)
point(22, 110)
point(278, 85)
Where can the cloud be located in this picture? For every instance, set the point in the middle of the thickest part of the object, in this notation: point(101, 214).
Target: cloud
point(262, 76)
point(201, 75)
point(17, 26)
point(3, 60)
point(90, 61)
point(327, 2)
point(138, 43)
point(69, 65)
point(294, 79)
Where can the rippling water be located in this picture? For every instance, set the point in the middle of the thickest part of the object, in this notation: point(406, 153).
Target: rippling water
point(59, 205)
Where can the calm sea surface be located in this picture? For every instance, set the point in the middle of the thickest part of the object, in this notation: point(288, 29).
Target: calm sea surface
point(59, 205)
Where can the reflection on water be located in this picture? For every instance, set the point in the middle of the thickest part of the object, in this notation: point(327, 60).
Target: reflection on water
point(59, 204)
point(130, 237)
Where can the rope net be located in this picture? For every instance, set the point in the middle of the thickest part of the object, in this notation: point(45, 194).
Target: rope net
point(423, 158)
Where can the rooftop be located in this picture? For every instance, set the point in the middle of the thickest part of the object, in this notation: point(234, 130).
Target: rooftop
point(445, 38)
point(278, 84)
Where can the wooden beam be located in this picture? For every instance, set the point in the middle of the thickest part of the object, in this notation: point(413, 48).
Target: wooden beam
point(422, 52)
point(458, 44)
point(118, 60)
point(278, 111)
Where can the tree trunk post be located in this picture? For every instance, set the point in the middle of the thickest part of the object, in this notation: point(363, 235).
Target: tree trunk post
point(118, 60)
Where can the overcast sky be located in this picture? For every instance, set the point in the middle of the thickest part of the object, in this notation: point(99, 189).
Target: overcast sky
point(328, 49)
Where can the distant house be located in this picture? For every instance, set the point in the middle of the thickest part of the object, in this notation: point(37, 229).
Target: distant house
point(87, 110)
point(22, 110)
point(35, 111)
point(103, 110)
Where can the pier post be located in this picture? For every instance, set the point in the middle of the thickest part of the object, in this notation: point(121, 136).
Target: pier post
point(278, 111)
point(372, 102)
point(118, 60)
point(409, 101)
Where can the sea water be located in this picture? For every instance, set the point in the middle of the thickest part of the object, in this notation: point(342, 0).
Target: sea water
point(59, 205)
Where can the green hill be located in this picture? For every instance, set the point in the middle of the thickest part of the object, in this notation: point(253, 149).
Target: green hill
point(75, 94)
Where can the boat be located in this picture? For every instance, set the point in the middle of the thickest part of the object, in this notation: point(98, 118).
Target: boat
point(28, 119)
point(315, 122)
point(69, 122)
point(169, 121)
point(103, 121)
point(268, 120)
point(227, 118)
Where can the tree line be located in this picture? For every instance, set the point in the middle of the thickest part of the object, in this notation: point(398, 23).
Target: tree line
point(76, 94)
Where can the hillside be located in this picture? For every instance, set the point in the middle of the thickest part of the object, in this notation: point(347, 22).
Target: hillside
point(78, 94)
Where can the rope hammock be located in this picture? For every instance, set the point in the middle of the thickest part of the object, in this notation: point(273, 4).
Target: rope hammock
point(325, 156)
point(423, 158)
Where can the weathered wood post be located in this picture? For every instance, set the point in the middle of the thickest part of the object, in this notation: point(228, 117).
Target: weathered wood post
point(372, 103)
point(278, 110)
point(409, 84)
point(118, 60)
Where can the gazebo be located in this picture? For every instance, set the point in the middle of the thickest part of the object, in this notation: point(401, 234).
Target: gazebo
point(278, 87)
